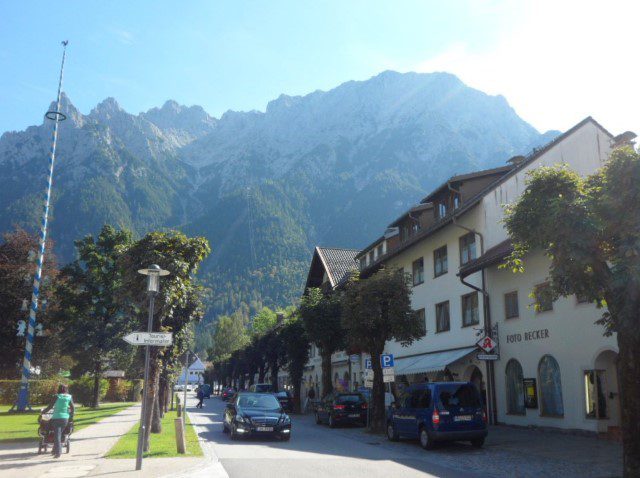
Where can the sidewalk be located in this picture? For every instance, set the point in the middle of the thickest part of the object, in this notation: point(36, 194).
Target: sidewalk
point(88, 446)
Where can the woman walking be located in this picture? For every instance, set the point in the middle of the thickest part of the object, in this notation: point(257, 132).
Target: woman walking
point(63, 411)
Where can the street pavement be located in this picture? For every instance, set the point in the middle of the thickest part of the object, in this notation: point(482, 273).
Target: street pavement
point(318, 451)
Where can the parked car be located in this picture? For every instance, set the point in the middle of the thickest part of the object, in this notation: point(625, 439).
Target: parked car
point(227, 393)
point(261, 388)
point(341, 408)
point(256, 414)
point(437, 412)
point(286, 400)
point(178, 388)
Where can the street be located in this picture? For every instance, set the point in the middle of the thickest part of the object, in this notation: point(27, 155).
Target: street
point(318, 451)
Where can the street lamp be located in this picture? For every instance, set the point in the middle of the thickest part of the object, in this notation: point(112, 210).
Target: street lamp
point(153, 273)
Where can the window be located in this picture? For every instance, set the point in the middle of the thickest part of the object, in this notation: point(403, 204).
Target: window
point(543, 297)
point(379, 250)
point(371, 256)
point(454, 396)
point(441, 210)
point(418, 271)
point(550, 387)
point(442, 317)
point(415, 227)
point(470, 309)
point(596, 402)
point(421, 398)
point(511, 305)
point(515, 388)
point(423, 320)
point(467, 248)
point(363, 262)
point(456, 200)
point(440, 265)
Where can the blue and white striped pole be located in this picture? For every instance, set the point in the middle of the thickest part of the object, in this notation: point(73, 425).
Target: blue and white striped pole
point(56, 116)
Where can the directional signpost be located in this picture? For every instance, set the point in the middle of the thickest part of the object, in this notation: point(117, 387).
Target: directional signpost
point(157, 339)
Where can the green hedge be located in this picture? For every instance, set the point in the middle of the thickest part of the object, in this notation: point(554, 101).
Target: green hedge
point(40, 391)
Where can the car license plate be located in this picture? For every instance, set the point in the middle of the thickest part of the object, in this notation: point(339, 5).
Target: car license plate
point(264, 429)
point(463, 418)
point(354, 415)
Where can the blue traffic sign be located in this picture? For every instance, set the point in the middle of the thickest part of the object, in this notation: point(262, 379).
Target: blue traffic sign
point(386, 360)
point(367, 363)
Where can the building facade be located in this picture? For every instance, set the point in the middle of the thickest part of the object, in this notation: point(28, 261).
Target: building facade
point(555, 368)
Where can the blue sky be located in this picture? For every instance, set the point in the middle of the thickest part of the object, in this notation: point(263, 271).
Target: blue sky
point(552, 61)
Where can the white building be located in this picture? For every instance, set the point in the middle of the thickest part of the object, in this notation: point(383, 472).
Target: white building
point(195, 372)
point(555, 368)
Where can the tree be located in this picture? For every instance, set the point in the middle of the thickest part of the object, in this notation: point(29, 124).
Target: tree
point(590, 230)
point(274, 353)
point(376, 310)
point(178, 304)
point(263, 321)
point(17, 266)
point(90, 310)
point(296, 348)
point(321, 315)
point(230, 335)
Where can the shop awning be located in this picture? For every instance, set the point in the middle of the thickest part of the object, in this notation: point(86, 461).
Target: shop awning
point(432, 362)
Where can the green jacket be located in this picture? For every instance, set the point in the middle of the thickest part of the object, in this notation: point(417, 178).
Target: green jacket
point(62, 406)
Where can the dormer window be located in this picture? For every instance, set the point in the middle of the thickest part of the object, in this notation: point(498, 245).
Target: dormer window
point(456, 200)
point(441, 210)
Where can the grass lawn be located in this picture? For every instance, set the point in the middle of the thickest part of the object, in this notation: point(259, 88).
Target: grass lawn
point(162, 445)
point(24, 426)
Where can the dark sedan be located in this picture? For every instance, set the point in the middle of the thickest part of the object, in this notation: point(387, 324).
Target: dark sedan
point(256, 414)
point(342, 408)
point(286, 400)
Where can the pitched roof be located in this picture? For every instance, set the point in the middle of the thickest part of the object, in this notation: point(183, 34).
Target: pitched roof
point(466, 177)
point(338, 263)
point(475, 200)
point(491, 257)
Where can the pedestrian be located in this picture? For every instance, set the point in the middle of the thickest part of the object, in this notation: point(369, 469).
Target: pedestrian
point(311, 395)
point(63, 411)
point(200, 395)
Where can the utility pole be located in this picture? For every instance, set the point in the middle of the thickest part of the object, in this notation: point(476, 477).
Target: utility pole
point(56, 116)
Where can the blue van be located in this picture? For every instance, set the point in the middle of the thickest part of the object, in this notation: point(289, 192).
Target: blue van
point(438, 411)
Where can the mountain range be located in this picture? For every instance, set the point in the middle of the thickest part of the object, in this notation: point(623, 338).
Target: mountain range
point(330, 168)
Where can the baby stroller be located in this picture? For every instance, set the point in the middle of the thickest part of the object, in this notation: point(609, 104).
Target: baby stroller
point(47, 434)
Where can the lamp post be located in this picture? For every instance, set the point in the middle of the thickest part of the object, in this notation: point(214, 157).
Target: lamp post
point(153, 273)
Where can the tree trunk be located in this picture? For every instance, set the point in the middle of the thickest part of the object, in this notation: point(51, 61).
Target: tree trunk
point(261, 373)
point(156, 420)
point(629, 378)
point(162, 396)
point(297, 388)
point(327, 380)
point(274, 377)
point(378, 417)
point(151, 394)
point(97, 372)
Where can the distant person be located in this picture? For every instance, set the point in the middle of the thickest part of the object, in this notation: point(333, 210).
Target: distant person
point(200, 395)
point(63, 411)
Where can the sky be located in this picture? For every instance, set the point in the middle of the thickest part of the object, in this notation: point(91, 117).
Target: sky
point(556, 62)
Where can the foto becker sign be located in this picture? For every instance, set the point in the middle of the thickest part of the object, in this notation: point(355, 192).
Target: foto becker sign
point(158, 339)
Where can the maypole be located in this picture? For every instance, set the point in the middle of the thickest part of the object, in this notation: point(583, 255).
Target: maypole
point(56, 116)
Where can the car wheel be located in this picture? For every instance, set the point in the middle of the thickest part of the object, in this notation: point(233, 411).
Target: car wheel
point(234, 433)
point(425, 440)
point(478, 442)
point(392, 434)
point(286, 437)
point(318, 421)
point(332, 422)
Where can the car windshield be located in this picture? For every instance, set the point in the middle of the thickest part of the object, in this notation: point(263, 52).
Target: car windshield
point(263, 388)
point(282, 395)
point(454, 396)
point(354, 398)
point(260, 401)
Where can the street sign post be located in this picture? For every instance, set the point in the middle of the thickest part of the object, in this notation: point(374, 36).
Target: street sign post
point(154, 339)
point(386, 360)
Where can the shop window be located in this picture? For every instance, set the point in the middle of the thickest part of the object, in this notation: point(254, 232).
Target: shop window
point(543, 297)
point(440, 265)
point(442, 317)
point(511, 310)
point(515, 388)
point(467, 248)
point(470, 315)
point(550, 387)
point(596, 401)
point(418, 271)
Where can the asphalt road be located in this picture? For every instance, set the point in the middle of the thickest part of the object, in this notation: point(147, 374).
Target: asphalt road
point(318, 451)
